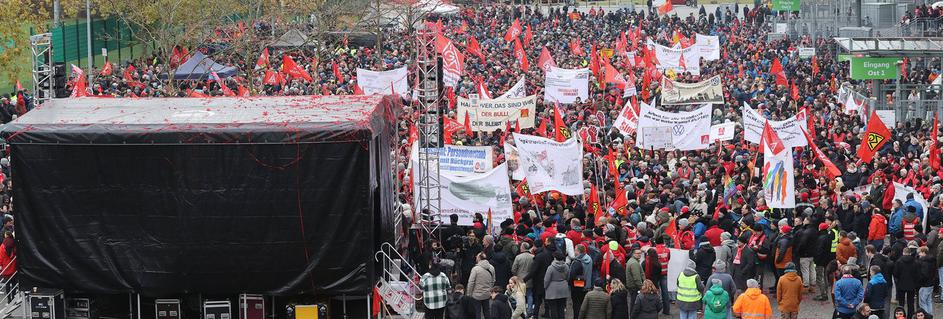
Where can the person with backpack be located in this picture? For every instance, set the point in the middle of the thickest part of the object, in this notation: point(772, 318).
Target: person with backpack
point(480, 281)
point(789, 292)
point(726, 282)
point(648, 303)
point(500, 306)
point(716, 301)
point(461, 306)
point(555, 283)
point(580, 278)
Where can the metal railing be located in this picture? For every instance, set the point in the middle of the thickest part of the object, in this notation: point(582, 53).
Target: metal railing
point(12, 299)
point(922, 27)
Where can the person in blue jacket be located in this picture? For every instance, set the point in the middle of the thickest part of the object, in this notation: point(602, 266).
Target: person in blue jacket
point(876, 294)
point(848, 293)
point(894, 226)
point(912, 202)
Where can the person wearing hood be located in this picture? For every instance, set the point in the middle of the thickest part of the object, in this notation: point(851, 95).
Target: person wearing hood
point(556, 289)
point(690, 286)
point(863, 311)
point(928, 278)
point(500, 305)
point(703, 258)
point(480, 281)
point(877, 230)
point(596, 305)
point(724, 251)
point(581, 278)
point(752, 303)
point(848, 293)
point(789, 292)
point(502, 265)
point(876, 293)
point(744, 264)
point(905, 279)
point(716, 301)
point(726, 282)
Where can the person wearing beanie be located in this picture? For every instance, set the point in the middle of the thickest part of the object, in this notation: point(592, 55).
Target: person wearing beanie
point(753, 304)
point(848, 293)
point(520, 267)
point(727, 246)
point(726, 282)
point(783, 251)
point(789, 292)
point(686, 237)
point(823, 256)
point(713, 233)
point(556, 287)
point(743, 264)
point(690, 287)
point(716, 301)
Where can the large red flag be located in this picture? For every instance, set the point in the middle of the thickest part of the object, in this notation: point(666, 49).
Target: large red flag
point(593, 203)
point(559, 127)
point(830, 167)
point(270, 78)
point(293, 69)
point(795, 91)
point(262, 62)
point(514, 31)
point(771, 140)
point(528, 36)
point(546, 60)
point(106, 70)
point(467, 124)
point(594, 62)
point(665, 8)
point(19, 87)
point(474, 48)
point(874, 138)
point(521, 55)
point(337, 72)
point(815, 66)
point(777, 70)
point(575, 47)
point(79, 86)
point(934, 149)
point(542, 129)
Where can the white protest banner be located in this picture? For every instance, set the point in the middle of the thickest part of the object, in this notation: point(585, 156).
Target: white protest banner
point(565, 85)
point(670, 58)
point(723, 131)
point(889, 117)
point(789, 130)
point(689, 130)
point(708, 46)
point(707, 91)
point(779, 181)
point(459, 160)
point(490, 115)
point(806, 53)
point(383, 82)
point(655, 137)
point(513, 159)
point(627, 121)
point(516, 91)
point(901, 191)
point(550, 165)
point(676, 264)
point(465, 196)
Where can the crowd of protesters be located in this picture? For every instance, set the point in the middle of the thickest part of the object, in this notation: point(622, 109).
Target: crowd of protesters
point(862, 252)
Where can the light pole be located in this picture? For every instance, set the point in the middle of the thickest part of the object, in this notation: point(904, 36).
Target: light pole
point(88, 37)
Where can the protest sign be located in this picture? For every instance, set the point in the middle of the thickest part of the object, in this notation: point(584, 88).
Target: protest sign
point(566, 85)
point(723, 131)
point(788, 130)
point(466, 196)
point(490, 115)
point(708, 91)
point(459, 160)
point(551, 165)
point(689, 130)
point(383, 82)
point(708, 46)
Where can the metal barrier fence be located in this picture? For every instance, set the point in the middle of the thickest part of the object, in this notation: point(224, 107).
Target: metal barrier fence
point(927, 101)
point(922, 27)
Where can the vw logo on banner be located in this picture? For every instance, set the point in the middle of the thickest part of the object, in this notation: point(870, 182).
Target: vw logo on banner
point(678, 130)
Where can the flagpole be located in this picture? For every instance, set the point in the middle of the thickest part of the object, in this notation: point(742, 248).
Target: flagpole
point(88, 37)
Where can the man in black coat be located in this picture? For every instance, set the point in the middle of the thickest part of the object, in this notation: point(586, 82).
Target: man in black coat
point(744, 263)
point(500, 306)
point(824, 255)
point(906, 279)
point(537, 270)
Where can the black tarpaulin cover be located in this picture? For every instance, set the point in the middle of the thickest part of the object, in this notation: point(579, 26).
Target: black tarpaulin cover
point(300, 213)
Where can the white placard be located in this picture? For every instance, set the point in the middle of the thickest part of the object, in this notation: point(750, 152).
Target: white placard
point(459, 160)
point(806, 53)
point(708, 46)
point(670, 58)
point(490, 115)
point(383, 82)
point(627, 121)
point(707, 91)
point(789, 130)
point(551, 165)
point(889, 117)
point(465, 196)
point(689, 130)
point(565, 85)
point(723, 131)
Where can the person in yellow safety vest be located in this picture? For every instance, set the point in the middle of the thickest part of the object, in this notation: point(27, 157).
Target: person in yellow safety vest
point(689, 291)
point(752, 303)
point(835, 236)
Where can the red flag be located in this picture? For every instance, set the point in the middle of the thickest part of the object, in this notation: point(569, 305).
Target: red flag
point(575, 47)
point(593, 203)
point(106, 70)
point(528, 36)
point(771, 140)
point(262, 62)
point(542, 129)
point(20, 107)
point(293, 69)
point(830, 167)
point(545, 61)
point(815, 66)
point(665, 8)
point(520, 54)
point(357, 90)
point(464, 28)
point(129, 74)
point(613, 76)
point(19, 87)
point(243, 91)
point(270, 78)
point(611, 164)
point(482, 89)
point(222, 86)
point(337, 72)
point(517, 126)
point(514, 31)
point(874, 138)
point(795, 91)
point(646, 84)
point(594, 62)
point(468, 129)
point(79, 86)
point(559, 127)
point(833, 85)
point(621, 200)
point(375, 303)
point(413, 133)
point(934, 148)
point(777, 70)
point(192, 93)
point(474, 48)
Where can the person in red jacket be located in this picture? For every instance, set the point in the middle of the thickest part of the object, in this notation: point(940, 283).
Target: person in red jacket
point(877, 230)
point(8, 260)
point(713, 234)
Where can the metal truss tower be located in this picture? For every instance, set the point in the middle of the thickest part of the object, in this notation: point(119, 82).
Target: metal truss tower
point(429, 129)
point(42, 68)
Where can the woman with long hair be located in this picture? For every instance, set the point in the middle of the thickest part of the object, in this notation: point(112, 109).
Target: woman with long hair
point(648, 303)
point(517, 290)
point(618, 299)
point(651, 266)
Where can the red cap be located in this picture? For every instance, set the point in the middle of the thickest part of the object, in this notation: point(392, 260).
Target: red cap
point(785, 228)
point(823, 226)
point(684, 209)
